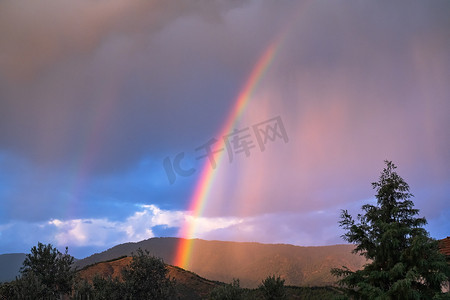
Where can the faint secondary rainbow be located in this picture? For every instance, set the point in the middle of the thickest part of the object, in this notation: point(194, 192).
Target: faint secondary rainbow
point(201, 192)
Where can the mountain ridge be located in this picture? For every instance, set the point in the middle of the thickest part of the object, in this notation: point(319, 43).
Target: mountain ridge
point(224, 260)
point(251, 262)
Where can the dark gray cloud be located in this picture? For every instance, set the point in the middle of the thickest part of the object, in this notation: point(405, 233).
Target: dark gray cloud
point(99, 72)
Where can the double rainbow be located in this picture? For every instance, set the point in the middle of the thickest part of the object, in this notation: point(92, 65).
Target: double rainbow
point(201, 192)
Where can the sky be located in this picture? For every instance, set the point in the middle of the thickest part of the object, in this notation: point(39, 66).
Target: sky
point(108, 110)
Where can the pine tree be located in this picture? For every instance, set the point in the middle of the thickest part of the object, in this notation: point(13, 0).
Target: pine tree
point(403, 261)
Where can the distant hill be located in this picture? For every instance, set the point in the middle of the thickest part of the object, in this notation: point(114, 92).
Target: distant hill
point(10, 265)
point(250, 262)
point(222, 262)
point(161, 247)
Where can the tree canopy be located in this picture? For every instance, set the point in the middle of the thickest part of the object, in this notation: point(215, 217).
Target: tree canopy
point(403, 261)
point(46, 273)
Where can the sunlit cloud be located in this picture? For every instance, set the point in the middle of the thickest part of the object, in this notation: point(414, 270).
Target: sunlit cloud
point(107, 233)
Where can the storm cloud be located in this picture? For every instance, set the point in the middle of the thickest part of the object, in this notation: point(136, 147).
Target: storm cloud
point(94, 95)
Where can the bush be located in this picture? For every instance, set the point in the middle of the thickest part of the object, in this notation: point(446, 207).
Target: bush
point(230, 291)
point(273, 288)
point(146, 278)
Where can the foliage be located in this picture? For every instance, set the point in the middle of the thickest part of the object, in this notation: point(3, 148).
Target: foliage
point(146, 277)
point(51, 267)
point(30, 286)
point(46, 274)
point(82, 290)
point(404, 263)
point(100, 289)
point(312, 293)
point(109, 289)
point(230, 291)
point(292, 292)
point(6, 291)
point(273, 288)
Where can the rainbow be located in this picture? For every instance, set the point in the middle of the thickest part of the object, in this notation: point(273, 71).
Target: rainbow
point(203, 187)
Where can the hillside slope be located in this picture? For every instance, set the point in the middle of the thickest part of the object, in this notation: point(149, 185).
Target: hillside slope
point(188, 284)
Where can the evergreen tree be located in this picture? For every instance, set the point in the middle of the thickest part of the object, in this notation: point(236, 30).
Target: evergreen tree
point(403, 261)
